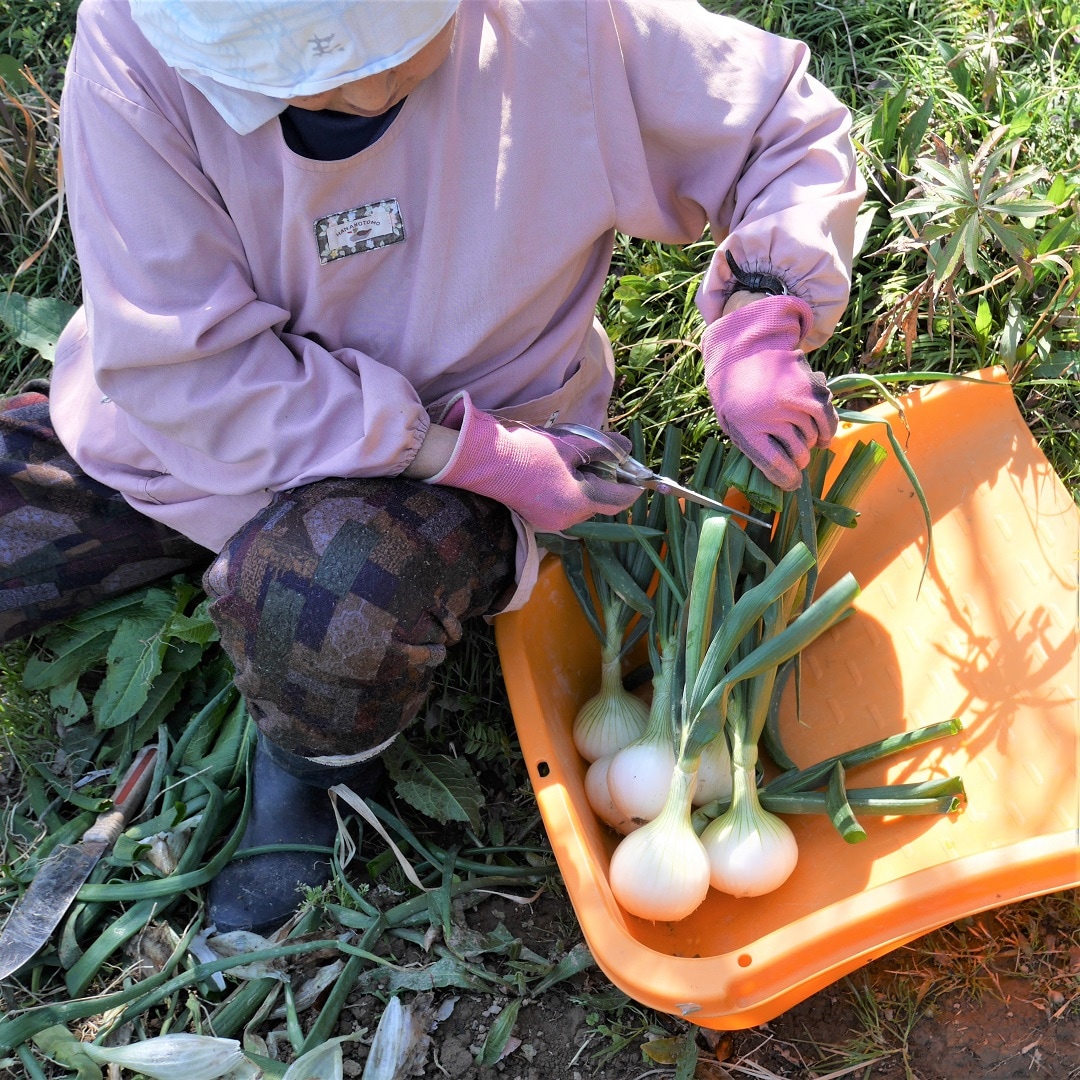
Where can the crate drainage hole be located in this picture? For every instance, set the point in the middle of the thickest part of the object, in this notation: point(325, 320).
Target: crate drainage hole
point(543, 768)
point(744, 960)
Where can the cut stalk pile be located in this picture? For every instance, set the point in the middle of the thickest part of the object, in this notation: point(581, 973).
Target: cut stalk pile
point(133, 958)
point(726, 612)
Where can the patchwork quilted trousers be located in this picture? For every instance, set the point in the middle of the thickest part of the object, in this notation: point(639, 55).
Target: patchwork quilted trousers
point(67, 542)
point(336, 603)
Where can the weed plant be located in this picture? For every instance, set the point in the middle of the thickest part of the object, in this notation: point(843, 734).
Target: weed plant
point(966, 119)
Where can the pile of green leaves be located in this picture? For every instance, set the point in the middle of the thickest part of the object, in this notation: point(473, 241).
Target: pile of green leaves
point(154, 651)
point(148, 669)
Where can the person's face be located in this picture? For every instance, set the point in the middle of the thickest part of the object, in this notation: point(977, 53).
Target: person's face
point(375, 94)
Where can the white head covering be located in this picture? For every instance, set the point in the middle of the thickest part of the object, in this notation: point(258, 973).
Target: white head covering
point(246, 56)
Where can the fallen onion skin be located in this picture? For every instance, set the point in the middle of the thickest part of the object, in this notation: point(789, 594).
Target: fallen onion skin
point(177, 1056)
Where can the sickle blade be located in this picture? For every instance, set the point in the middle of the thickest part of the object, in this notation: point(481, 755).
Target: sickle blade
point(44, 903)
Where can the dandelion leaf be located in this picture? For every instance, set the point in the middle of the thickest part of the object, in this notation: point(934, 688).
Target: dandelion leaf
point(442, 787)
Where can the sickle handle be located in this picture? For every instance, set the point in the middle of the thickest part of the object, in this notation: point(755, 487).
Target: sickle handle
point(127, 800)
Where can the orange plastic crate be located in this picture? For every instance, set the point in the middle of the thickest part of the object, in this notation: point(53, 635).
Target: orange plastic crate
point(991, 637)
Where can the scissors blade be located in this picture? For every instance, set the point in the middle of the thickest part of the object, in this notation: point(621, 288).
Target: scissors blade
point(629, 470)
point(663, 486)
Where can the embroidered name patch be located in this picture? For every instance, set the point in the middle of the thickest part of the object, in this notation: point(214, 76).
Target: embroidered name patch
point(364, 228)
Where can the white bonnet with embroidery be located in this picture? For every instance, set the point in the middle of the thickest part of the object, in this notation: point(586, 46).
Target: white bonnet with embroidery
point(246, 56)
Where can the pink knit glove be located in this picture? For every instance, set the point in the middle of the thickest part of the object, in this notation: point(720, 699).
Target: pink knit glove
point(535, 474)
point(772, 406)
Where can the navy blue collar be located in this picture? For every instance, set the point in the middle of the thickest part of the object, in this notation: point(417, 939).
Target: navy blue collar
point(331, 136)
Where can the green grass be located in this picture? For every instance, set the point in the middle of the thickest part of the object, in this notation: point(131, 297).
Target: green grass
point(37, 255)
point(38, 33)
point(940, 78)
point(978, 958)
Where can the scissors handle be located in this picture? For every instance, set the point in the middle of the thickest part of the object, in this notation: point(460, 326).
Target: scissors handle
point(628, 470)
point(601, 438)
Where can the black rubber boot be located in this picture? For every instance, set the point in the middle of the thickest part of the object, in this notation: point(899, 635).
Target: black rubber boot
point(289, 805)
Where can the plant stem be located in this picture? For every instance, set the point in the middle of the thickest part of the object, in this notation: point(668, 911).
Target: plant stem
point(815, 775)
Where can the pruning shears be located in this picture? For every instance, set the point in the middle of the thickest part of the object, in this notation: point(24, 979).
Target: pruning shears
point(626, 469)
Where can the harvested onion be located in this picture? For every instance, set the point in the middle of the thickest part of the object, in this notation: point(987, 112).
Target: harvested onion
point(610, 719)
point(661, 871)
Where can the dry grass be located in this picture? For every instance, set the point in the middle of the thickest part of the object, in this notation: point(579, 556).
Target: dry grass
point(31, 174)
point(1036, 941)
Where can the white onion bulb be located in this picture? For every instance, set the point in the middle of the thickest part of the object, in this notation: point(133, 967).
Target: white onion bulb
point(714, 773)
point(639, 777)
point(596, 790)
point(611, 719)
point(751, 851)
point(661, 871)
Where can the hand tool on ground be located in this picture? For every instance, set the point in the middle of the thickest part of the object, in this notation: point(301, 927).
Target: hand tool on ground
point(39, 910)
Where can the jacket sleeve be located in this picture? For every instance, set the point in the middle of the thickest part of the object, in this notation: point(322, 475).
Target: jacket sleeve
point(705, 119)
point(205, 371)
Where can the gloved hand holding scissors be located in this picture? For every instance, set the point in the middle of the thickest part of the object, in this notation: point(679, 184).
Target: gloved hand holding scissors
point(767, 399)
point(539, 475)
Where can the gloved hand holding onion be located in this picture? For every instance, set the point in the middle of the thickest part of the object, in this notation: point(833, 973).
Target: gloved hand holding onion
point(721, 613)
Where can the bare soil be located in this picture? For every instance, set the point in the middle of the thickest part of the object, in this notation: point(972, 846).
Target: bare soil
point(995, 997)
point(872, 1026)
